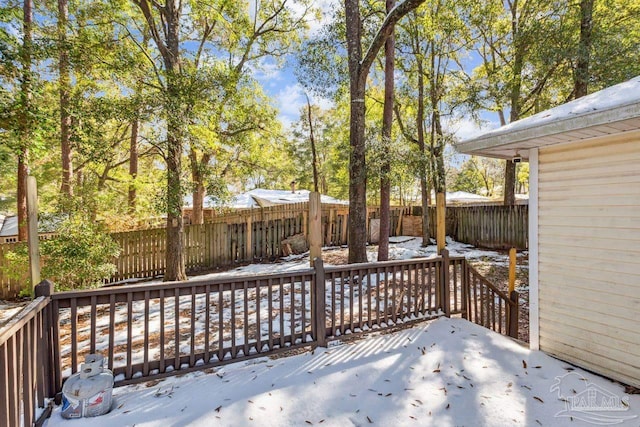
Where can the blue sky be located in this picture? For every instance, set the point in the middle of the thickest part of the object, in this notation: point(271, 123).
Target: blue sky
point(281, 84)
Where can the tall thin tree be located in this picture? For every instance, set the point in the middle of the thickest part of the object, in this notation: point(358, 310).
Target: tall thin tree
point(359, 65)
point(314, 157)
point(25, 119)
point(166, 36)
point(387, 123)
point(584, 48)
point(64, 87)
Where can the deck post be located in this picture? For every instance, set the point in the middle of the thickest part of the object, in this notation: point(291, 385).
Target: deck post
point(445, 290)
point(319, 302)
point(33, 237)
point(512, 314)
point(315, 227)
point(512, 269)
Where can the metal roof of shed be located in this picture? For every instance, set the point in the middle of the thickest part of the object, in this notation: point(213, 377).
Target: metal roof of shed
point(607, 112)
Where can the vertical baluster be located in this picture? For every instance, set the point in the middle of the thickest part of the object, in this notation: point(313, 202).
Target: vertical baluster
point(293, 310)
point(361, 288)
point(281, 285)
point(162, 350)
point(342, 313)
point(270, 314)
point(221, 351)
point(5, 390)
point(303, 308)
point(369, 297)
point(207, 323)
point(454, 266)
point(74, 336)
point(258, 299)
point(245, 292)
point(234, 351)
point(129, 372)
point(112, 322)
point(394, 284)
point(501, 317)
point(28, 384)
point(13, 395)
point(482, 303)
point(92, 326)
point(334, 313)
point(192, 354)
point(352, 284)
point(176, 334)
point(145, 368)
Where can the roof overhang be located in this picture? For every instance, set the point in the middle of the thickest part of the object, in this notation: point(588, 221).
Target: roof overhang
point(593, 116)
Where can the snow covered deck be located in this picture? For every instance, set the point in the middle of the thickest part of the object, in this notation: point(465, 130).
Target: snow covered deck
point(444, 373)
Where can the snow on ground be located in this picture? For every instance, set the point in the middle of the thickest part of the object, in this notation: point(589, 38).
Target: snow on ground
point(447, 372)
point(400, 247)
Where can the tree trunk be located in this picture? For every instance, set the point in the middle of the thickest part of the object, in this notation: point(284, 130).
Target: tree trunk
point(584, 48)
point(133, 163)
point(65, 117)
point(387, 123)
point(509, 189)
point(199, 189)
point(25, 122)
point(357, 178)
point(424, 182)
point(175, 125)
point(357, 162)
point(358, 70)
point(23, 172)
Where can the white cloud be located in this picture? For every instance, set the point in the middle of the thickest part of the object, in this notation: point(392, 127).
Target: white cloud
point(467, 128)
point(324, 6)
point(291, 99)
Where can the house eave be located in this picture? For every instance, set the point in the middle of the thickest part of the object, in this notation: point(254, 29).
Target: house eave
point(507, 143)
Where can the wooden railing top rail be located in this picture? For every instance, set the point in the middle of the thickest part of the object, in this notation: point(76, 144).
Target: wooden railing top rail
point(490, 285)
point(19, 320)
point(140, 292)
point(381, 264)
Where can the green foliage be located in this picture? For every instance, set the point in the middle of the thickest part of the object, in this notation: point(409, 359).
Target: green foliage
point(479, 175)
point(80, 257)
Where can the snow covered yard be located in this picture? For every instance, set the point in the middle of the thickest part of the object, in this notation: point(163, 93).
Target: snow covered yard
point(448, 372)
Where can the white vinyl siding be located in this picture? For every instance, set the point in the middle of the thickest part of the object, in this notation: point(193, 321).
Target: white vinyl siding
point(589, 254)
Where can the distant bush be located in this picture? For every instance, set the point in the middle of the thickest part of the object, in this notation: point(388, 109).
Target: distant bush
point(80, 257)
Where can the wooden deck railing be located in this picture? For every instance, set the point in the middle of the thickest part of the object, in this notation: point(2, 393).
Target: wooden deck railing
point(155, 330)
point(362, 297)
point(25, 363)
point(490, 307)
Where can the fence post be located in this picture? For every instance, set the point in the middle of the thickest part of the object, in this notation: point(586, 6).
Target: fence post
point(47, 341)
point(464, 273)
point(319, 309)
point(33, 236)
point(315, 227)
point(513, 313)
point(43, 289)
point(445, 291)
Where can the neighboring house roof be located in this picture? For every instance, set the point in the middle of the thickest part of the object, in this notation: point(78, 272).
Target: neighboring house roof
point(46, 224)
point(464, 196)
point(261, 197)
point(9, 226)
point(610, 111)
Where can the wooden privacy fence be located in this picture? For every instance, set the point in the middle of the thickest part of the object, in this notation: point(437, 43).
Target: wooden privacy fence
point(488, 226)
point(153, 331)
point(256, 234)
point(241, 236)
